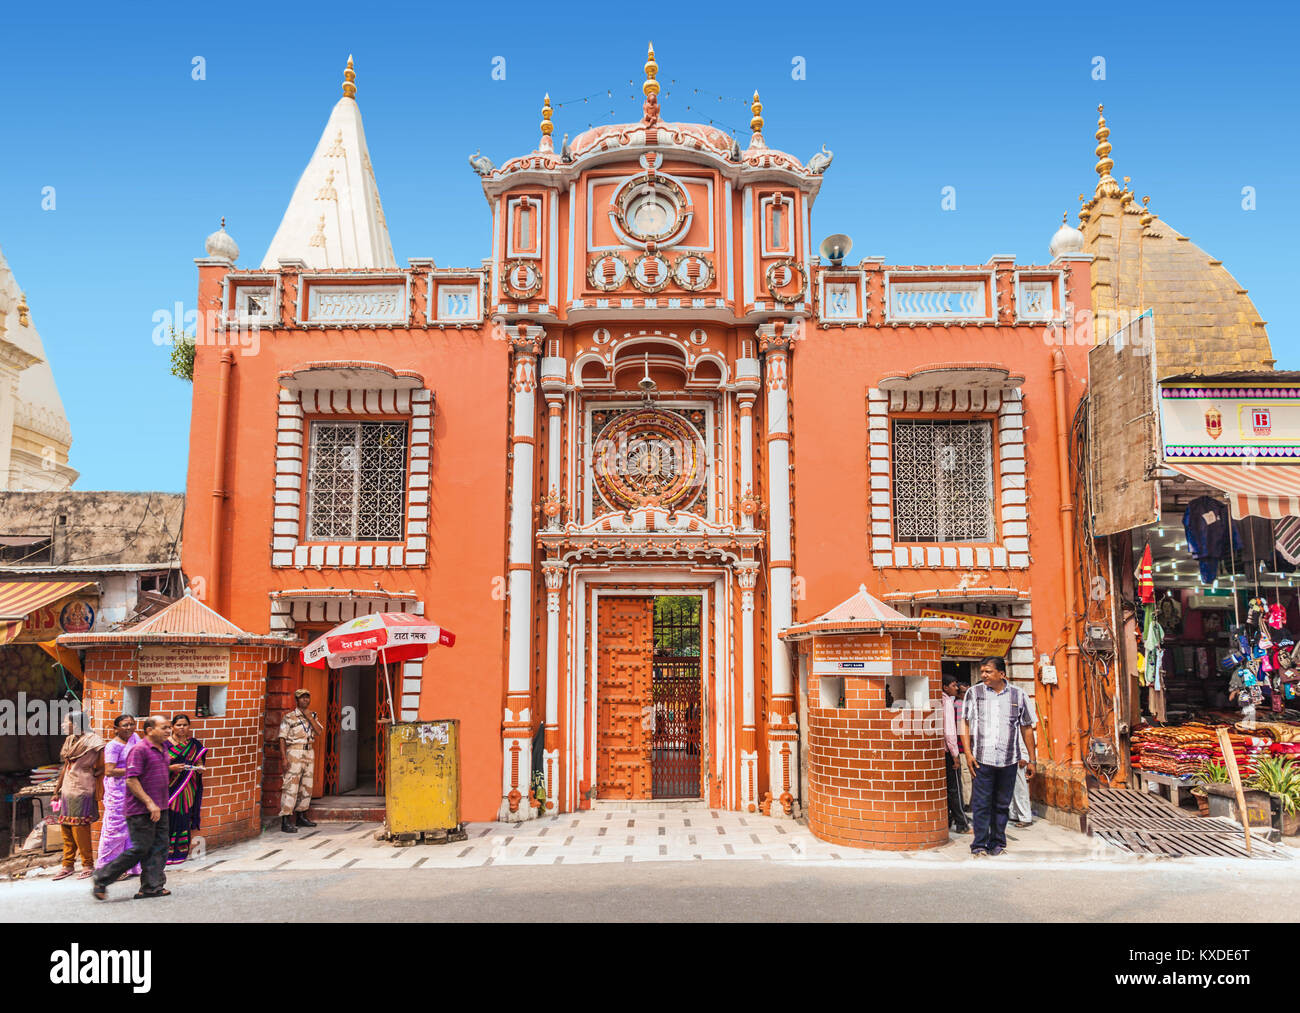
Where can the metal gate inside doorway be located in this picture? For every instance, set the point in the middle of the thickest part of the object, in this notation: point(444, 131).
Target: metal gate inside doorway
point(675, 740)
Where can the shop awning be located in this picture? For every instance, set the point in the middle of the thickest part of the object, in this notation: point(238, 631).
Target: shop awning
point(20, 598)
point(1253, 490)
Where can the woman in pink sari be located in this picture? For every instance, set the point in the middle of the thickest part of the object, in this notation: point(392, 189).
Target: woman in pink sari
point(113, 838)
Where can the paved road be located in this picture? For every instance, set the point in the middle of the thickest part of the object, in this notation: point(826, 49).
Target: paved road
point(1183, 890)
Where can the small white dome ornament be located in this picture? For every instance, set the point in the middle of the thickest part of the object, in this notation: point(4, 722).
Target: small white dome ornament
point(219, 245)
point(1066, 240)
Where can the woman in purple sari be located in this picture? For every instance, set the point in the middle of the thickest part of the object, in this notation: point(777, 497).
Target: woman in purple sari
point(185, 758)
point(113, 838)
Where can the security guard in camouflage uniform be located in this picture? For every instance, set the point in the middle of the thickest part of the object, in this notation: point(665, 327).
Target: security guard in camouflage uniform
point(298, 761)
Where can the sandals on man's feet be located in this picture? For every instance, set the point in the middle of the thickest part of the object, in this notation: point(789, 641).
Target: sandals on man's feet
point(63, 874)
point(142, 895)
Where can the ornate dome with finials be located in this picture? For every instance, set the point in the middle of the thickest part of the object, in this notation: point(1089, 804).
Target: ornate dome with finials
point(1066, 240)
point(1204, 319)
point(612, 142)
point(220, 245)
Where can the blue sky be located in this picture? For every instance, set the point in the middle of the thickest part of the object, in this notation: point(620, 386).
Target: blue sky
point(998, 101)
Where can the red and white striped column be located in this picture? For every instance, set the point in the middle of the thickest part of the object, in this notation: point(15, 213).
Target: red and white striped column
point(516, 733)
point(775, 343)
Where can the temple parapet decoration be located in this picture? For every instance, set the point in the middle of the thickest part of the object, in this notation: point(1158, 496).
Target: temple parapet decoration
point(650, 532)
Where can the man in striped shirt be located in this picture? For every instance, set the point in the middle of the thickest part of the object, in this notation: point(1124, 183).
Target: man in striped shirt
point(999, 718)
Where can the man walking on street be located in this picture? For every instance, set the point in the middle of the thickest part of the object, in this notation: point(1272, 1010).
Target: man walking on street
point(957, 821)
point(146, 813)
point(298, 761)
point(997, 733)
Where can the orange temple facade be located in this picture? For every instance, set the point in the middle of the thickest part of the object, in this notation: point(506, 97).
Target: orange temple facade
point(652, 431)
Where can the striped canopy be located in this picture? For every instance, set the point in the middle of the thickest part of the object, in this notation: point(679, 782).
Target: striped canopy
point(1253, 489)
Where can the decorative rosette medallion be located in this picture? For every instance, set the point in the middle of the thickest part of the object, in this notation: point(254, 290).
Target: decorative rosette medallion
point(521, 279)
point(608, 272)
point(648, 455)
point(787, 281)
point(693, 272)
point(651, 273)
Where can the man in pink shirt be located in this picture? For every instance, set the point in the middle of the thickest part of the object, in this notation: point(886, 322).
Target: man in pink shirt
point(957, 821)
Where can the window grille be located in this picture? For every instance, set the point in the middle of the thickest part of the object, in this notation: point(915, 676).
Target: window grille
point(356, 485)
point(943, 481)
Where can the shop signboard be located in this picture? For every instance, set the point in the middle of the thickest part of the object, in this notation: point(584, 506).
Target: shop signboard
point(74, 614)
point(988, 637)
point(169, 664)
point(1215, 421)
point(852, 654)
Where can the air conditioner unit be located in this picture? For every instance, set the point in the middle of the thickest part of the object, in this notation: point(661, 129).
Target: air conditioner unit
point(1210, 598)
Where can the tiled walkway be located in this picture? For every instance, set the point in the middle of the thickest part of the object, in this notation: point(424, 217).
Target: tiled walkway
point(604, 836)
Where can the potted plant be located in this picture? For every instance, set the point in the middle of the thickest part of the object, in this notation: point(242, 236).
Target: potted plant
point(1280, 777)
point(1222, 797)
point(1210, 773)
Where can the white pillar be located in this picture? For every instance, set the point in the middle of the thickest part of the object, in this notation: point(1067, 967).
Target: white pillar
point(553, 572)
point(517, 727)
point(747, 387)
point(747, 576)
point(775, 343)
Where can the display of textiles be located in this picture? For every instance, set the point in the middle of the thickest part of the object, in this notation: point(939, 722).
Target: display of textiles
point(1278, 731)
point(1181, 750)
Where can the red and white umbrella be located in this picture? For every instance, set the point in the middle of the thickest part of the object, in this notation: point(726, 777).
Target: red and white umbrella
point(381, 636)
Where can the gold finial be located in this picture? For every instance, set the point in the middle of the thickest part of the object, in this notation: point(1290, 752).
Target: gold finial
point(1084, 212)
point(1105, 185)
point(349, 80)
point(1147, 216)
point(651, 87)
point(756, 107)
point(1065, 218)
point(547, 125)
point(23, 318)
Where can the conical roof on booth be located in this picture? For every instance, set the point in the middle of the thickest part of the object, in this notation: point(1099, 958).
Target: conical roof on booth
point(865, 613)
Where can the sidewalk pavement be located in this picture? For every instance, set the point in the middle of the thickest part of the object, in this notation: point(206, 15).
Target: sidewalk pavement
point(610, 836)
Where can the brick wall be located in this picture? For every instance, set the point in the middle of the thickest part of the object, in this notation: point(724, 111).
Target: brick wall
point(232, 785)
point(868, 785)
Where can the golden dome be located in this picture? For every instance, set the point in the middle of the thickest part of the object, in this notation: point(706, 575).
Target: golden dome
point(1204, 318)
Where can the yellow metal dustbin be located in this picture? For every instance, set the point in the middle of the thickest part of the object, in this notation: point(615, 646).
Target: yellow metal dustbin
point(422, 783)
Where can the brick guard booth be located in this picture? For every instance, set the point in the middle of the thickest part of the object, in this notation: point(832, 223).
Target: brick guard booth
point(189, 657)
point(875, 772)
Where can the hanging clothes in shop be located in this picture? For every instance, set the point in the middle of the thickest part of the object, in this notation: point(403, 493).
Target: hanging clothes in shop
point(1146, 584)
point(1255, 540)
point(1153, 635)
point(1205, 522)
point(1287, 539)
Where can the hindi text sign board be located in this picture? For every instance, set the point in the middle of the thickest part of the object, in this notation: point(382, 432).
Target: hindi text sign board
point(989, 636)
point(181, 663)
point(852, 654)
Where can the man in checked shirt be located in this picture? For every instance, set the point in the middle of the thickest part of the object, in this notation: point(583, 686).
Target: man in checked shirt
point(999, 718)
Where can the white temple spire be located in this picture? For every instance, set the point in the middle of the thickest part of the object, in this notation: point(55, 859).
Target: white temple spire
point(335, 219)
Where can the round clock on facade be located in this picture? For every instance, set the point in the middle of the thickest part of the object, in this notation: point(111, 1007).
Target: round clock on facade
point(651, 209)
